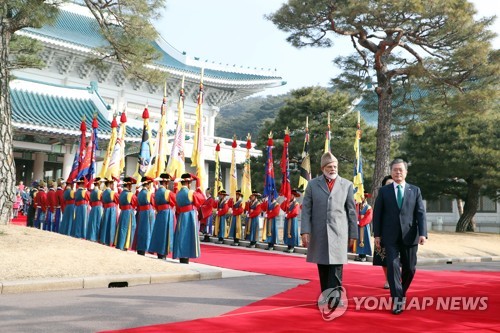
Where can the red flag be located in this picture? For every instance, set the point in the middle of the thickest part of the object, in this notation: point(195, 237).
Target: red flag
point(78, 154)
point(286, 190)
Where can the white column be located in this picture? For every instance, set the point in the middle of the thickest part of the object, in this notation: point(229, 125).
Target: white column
point(69, 156)
point(38, 165)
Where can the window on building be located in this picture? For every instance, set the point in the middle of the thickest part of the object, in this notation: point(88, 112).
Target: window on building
point(441, 205)
point(487, 205)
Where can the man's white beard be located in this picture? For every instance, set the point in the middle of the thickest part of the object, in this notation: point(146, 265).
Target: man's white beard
point(327, 175)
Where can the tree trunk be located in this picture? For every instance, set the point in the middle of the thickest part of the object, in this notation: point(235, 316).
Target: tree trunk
point(460, 206)
point(384, 92)
point(466, 221)
point(7, 168)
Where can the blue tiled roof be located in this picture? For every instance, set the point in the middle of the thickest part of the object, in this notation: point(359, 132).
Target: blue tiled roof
point(84, 31)
point(57, 112)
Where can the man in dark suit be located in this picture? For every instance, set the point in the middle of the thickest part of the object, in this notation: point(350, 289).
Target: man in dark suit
point(399, 224)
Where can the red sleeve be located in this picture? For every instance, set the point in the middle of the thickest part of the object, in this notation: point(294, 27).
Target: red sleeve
point(255, 212)
point(284, 206)
point(133, 202)
point(275, 211)
point(294, 212)
point(172, 199)
point(367, 218)
point(198, 198)
point(116, 198)
point(214, 203)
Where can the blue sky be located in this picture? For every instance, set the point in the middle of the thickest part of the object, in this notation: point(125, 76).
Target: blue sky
point(235, 32)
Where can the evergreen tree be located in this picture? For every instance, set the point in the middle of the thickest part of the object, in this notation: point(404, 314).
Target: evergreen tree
point(454, 148)
point(315, 103)
point(394, 40)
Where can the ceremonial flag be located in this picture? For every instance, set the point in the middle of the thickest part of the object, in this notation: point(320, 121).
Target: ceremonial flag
point(359, 190)
point(159, 155)
point(117, 159)
point(246, 179)
point(285, 190)
point(176, 166)
point(83, 144)
point(197, 157)
point(233, 180)
point(144, 158)
point(328, 134)
point(305, 164)
point(269, 185)
point(218, 172)
point(79, 154)
point(111, 145)
point(88, 166)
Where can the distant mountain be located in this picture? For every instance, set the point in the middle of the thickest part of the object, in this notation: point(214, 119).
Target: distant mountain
point(247, 116)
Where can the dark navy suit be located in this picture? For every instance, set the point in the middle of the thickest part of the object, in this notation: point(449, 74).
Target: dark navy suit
point(399, 230)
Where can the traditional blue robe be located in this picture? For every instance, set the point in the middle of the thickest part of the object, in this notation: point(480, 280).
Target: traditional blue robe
point(145, 220)
point(126, 223)
point(95, 215)
point(109, 217)
point(79, 229)
point(163, 231)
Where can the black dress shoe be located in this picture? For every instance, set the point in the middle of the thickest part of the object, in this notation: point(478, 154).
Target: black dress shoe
point(184, 260)
point(251, 246)
point(270, 248)
point(235, 244)
point(397, 309)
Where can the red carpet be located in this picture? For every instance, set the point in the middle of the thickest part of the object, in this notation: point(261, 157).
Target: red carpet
point(19, 220)
point(295, 310)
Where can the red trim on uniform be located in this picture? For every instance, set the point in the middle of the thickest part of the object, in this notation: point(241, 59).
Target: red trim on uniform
point(108, 205)
point(95, 203)
point(185, 209)
point(125, 207)
point(162, 207)
point(80, 202)
point(143, 208)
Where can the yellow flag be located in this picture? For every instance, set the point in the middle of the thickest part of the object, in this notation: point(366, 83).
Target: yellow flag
point(246, 179)
point(233, 180)
point(111, 145)
point(197, 157)
point(117, 159)
point(176, 165)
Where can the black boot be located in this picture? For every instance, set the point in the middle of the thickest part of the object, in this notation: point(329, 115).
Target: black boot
point(184, 260)
point(252, 245)
point(236, 242)
point(141, 253)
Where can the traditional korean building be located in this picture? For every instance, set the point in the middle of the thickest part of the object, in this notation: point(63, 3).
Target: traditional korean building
point(48, 104)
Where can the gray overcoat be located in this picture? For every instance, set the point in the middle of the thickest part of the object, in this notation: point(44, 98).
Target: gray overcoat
point(330, 219)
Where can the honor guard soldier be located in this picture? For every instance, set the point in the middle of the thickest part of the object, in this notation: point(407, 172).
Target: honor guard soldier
point(110, 201)
point(270, 230)
point(186, 239)
point(253, 212)
point(237, 207)
point(96, 211)
point(222, 205)
point(79, 229)
point(163, 232)
point(205, 215)
point(59, 204)
point(126, 223)
point(291, 226)
point(69, 210)
point(41, 205)
point(51, 206)
point(145, 216)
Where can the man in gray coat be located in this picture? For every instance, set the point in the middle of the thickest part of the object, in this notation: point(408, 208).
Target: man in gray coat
point(328, 222)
